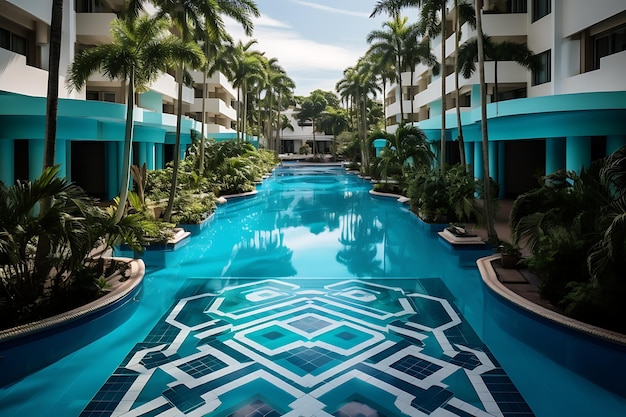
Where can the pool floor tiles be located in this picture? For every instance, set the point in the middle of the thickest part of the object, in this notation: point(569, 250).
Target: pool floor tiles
point(342, 348)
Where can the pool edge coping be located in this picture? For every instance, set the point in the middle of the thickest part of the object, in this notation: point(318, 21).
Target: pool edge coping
point(490, 279)
point(137, 273)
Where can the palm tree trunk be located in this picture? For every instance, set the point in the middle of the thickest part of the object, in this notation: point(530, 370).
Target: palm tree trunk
point(179, 115)
point(457, 26)
point(52, 103)
point(204, 92)
point(401, 92)
point(128, 145)
point(488, 204)
point(442, 162)
point(42, 260)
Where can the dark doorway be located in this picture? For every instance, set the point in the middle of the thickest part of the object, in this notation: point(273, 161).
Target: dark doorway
point(21, 167)
point(88, 167)
point(525, 162)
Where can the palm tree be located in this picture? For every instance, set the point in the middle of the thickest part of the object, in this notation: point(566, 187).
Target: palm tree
point(386, 71)
point(311, 109)
point(52, 103)
point(430, 25)
point(335, 121)
point(141, 49)
point(490, 214)
point(215, 61)
point(407, 147)
point(195, 19)
point(495, 51)
point(418, 52)
point(358, 83)
point(390, 46)
point(463, 12)
point(247, 68)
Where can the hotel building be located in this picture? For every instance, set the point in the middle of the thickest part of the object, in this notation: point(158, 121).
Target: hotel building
point(90, 131)
point(567, 114)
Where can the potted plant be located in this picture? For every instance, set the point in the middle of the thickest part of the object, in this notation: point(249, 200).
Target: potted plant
point(510, 254)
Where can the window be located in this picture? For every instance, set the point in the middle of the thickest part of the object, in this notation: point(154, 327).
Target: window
point(544, 75)
point(100, 96)
point(541, 8)
point(608, 43)
point(13, 42)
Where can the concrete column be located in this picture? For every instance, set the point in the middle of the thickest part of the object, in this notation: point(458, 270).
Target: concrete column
point(143, 153)
point(150, 155)
point(7, 161)
point(555, 155)
point(35, 158)
point(478, 159)
point(614, 142)
point(577, 152)
point(113, 170)
point(501, 172)
point(493, 160)
point(159, 156)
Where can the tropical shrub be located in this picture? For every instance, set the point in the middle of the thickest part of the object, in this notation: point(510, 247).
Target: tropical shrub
point(575, 227)
point(305, 149)
point(444, 198)
point(46, 262)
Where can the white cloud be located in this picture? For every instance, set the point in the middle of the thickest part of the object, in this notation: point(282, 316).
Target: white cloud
point(298, 55)
point(331, 9)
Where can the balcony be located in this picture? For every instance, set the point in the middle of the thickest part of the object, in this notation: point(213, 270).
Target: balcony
point(94, 28)
point(15, 72)
point(214, 106)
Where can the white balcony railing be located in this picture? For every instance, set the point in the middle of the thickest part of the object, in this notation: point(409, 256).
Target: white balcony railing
point(94, 28)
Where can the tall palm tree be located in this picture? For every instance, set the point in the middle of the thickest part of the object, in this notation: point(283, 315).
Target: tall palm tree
point(359, 83)
point(430, 25)
point(463, 12)
point(389, 45)
point(418, 52)
point(141, 49)
point(495, 51)
point(195, 19)
point(247, 67)
point(492, 235)
point(311, 109)
point(215, 61)
point(386, 71)
point(52, 101)
point(335, 121)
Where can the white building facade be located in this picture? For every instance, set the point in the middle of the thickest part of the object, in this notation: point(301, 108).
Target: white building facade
point(90, 122)
point(565, 115)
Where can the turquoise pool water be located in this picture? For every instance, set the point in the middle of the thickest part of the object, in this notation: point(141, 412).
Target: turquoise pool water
point(311, 298)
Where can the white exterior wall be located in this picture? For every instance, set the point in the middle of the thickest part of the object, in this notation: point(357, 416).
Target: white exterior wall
point(91, 28)
point(558, 32)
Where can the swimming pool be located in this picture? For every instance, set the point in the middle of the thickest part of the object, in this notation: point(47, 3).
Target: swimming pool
point(311, 298)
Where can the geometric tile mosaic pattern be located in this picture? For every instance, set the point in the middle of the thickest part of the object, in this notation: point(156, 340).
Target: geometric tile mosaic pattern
point(348, 348)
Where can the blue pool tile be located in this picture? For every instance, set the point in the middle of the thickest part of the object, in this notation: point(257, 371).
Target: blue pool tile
point(467, 360)
point(202, 366)
point(183, 398)
point(256, 408)
point(431, 399)
point(416, 367)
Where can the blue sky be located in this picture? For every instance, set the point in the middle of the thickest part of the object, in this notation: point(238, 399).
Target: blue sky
point(313, 40)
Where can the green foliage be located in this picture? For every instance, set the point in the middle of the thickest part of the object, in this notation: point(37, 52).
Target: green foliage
point(444, 198)
point(230, 167)
point(574, 225)
point(305, 149)
point(192, 208)
point(71, 227)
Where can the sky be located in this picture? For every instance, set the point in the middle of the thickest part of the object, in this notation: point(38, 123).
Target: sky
point(313, 40)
